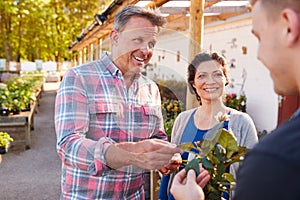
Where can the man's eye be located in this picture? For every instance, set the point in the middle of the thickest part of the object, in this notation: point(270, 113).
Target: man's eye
point(151, 45)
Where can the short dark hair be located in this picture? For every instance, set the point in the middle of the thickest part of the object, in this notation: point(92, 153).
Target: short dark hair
point(152, 14)
point(275, 6)
point(200, 58)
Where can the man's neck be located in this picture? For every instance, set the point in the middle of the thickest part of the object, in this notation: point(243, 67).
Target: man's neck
point(128, 79)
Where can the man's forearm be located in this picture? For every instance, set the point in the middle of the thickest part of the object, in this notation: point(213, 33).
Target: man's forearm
point(120, 155)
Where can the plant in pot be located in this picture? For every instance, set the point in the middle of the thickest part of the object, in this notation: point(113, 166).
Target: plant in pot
point(21, 94)
point(3, 100)
point(13, 102)
point(5, 141)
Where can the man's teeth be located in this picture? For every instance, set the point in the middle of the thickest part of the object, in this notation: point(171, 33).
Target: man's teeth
point(139, 59)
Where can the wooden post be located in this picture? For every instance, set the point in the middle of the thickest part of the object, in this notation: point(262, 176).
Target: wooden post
point(196, 29)
point(154, 178)
point(100, 47)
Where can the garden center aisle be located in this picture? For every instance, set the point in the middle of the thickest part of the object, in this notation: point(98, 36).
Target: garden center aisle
point(34, 174)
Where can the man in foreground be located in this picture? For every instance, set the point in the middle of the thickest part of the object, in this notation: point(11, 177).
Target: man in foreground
point(271, 170)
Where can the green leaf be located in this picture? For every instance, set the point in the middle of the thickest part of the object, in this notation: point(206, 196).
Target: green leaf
point(228, 141)
point(214, 133)
point(186, 146)
point(229, 177)
point(206, 163)
point(210, 139)
point(237, 156)
point(220, 171)
point(213, 159)
point(193, 164)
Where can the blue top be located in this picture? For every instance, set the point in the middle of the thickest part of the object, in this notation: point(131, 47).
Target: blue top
point(191, 133)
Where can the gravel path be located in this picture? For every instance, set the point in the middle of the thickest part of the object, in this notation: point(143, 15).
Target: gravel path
point(34, 174)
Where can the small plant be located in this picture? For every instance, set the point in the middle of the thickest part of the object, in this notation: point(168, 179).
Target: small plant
point(236, 102)
point(170, 110)
point(262, 134)
point(18, 93)
point(218, 151)
point(5, 141)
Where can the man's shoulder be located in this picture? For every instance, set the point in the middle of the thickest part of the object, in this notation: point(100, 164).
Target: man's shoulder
point(147, 81)
point(283, 142)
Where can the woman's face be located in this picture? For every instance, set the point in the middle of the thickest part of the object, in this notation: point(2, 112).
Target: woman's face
point(209, 81)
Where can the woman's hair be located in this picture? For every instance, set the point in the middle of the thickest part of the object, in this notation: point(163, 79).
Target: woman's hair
point(204, 57)
point(153, 15)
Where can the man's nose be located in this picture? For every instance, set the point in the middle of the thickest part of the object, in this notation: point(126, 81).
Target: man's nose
point(145, 48)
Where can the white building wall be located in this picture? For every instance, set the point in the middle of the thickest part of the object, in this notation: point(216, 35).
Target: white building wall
point(228, 38)
point(164, 58)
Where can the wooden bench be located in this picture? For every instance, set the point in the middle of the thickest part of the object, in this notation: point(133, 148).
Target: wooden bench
point(23, 120)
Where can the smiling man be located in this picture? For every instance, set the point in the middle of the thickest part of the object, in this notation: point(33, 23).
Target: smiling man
point(271, 170)
point(108, 117)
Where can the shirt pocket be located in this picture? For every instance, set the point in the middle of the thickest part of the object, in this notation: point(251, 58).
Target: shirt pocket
point(147, 120)
point(104, 119)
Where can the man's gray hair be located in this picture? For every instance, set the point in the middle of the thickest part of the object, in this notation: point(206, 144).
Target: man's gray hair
point(153, 15)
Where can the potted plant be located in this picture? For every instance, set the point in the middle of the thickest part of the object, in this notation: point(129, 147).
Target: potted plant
point(18, 95)
point(5, 141)
point(3, 100)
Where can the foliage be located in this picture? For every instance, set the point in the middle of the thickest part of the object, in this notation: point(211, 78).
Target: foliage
point(5, 140)
point(218, 151)
point(170, 110)
point(18, 93)
point(172, 89)
point(261, 134)
point(38, 29)
point(236, 102)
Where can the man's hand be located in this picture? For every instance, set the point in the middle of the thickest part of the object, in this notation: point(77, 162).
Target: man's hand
point(189, 187)
point(147, 154)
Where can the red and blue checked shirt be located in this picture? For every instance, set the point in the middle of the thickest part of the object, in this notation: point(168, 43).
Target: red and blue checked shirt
point(94, 109)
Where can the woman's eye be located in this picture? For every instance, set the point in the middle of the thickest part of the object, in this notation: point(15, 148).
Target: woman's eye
point(138, 40)
point(218, 75)
point(202, 76)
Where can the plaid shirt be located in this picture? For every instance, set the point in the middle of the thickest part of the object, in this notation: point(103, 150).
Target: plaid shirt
point(94, 109)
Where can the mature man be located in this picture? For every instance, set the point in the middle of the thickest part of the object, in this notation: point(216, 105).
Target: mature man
point(271, 170)
point(108, 116)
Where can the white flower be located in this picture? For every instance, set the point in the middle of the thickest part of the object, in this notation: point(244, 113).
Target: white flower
point(220, 117)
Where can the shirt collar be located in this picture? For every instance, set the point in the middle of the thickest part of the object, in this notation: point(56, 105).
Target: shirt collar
point(111, 67)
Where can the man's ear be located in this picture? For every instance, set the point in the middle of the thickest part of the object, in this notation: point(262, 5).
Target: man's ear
point(292, 28)
point(114, 36)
